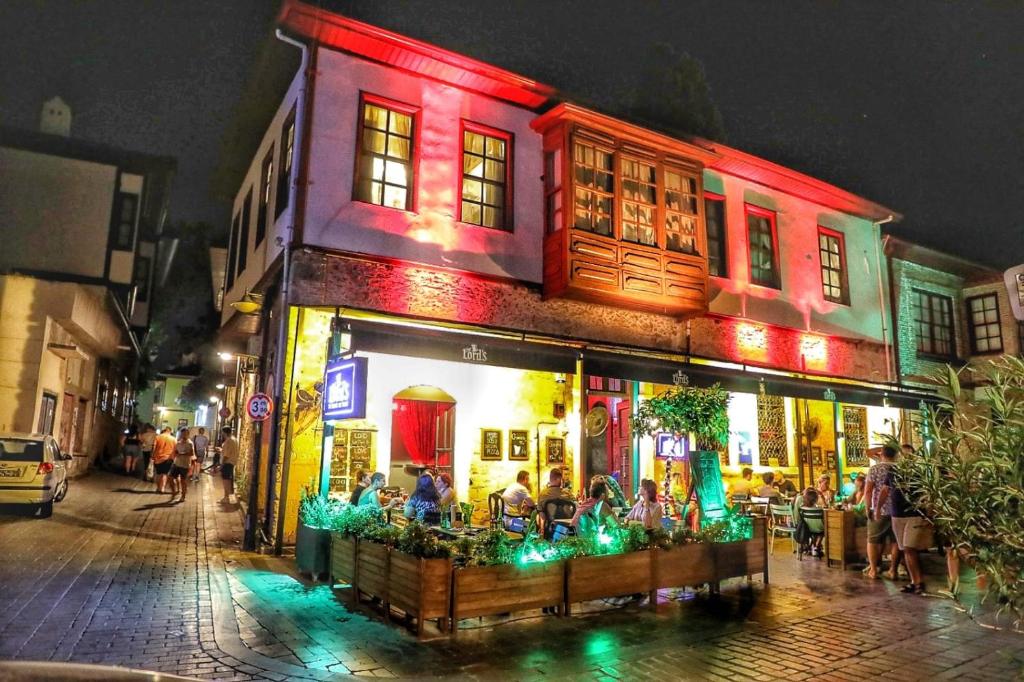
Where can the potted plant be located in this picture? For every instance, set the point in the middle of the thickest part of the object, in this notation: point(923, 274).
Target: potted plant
point(419, 576)
point(313, 539)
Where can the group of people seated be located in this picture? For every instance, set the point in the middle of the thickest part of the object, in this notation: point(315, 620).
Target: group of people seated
point(597, 510)
point(434, 493)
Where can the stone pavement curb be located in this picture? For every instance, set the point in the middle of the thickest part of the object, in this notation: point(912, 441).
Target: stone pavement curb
point(225, 623)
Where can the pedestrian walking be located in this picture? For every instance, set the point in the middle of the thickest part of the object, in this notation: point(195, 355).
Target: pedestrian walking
point(228, 460)
point(163, 457)
point(184, 456)
point(202, 444)
point(147, 439)
point(131, 448)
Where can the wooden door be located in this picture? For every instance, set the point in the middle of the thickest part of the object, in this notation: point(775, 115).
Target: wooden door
point(67, 423)
point(622, 446)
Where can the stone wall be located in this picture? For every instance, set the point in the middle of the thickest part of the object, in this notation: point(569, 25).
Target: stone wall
point(323, 279)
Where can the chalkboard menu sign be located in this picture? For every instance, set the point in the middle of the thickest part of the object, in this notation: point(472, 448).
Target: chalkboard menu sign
point(519, 445)
point(490, 444)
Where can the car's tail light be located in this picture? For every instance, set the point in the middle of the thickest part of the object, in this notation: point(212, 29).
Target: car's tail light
point(44, 468)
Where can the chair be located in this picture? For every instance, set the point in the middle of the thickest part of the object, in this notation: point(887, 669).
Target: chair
point(814, 520)
point(759, 505)
point(781, 524)
point(557, 513)
point(496, 507)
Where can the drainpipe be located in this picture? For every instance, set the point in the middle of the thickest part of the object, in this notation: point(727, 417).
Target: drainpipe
point(881, 298)
point(301, 164)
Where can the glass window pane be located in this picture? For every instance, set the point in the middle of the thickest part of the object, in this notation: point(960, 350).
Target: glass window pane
point(471, 189)
point(398, 147)
point(474, 142)
point(373, 141)
point(395, 173)
point(401, 124)
point(375, 117)
point(495, 148)
point(494, 170)
point(492, 216)
point(473, 165)
point(394, 196)
point(470, 213)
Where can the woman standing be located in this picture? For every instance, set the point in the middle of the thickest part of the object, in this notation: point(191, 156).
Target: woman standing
point(184, 453)
point(132, 443)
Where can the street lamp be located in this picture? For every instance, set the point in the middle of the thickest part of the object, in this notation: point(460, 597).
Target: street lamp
point(220, 387)
point(225, 356)
point(214, 399)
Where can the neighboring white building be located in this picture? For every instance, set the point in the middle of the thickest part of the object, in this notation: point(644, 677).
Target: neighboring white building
point(80, 225)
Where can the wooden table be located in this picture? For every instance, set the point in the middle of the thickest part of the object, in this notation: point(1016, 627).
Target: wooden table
point(845, 541)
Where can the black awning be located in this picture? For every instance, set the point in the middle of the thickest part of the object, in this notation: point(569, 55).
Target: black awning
point(457, 347)
point(668, 372)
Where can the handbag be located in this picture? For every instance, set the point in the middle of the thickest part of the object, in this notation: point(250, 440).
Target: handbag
point(150, 471)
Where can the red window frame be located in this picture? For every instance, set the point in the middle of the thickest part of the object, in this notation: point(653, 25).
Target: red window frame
point(365, 98)
point(844, 272)
point(751, 209)
point(509, 139)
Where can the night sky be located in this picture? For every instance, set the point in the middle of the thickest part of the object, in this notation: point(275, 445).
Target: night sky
point(916, 105)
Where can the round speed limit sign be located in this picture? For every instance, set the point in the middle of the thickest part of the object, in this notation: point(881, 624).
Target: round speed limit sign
point(259, 407)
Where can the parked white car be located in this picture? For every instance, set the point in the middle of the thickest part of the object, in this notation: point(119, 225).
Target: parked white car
point(33, 471)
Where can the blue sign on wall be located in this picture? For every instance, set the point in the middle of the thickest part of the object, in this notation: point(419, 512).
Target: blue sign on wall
point(345, 388)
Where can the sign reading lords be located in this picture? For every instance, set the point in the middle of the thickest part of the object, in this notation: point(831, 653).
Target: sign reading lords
point(1014, 278)
point(345, 388)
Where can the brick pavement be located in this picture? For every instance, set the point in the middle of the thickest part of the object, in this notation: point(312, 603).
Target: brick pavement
point(117, 576)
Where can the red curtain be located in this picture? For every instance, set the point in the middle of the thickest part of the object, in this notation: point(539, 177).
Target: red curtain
point(416, 421)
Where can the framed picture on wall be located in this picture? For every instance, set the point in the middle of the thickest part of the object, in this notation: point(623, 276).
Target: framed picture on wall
point(830, 459)
point(490, 444)
point(556, 450)
point(816, 456)
point(518, 445)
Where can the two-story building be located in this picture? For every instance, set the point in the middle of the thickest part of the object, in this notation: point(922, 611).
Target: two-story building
point(80, 224)
point(508, 273)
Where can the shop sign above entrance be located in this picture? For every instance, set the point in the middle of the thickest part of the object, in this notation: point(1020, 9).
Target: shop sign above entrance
point(259, 407)
point(345, 388)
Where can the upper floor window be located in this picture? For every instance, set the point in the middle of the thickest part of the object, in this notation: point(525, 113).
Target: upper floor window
point(681, 213)
point(485, 178)
point(124, 228)
point(714, 216)
point(595, 188)
point(832, 256)
point(764, 252)
point(983, 318)
point(243, 234)
point(639, 202)
point(933, 316)
point(384, 170)
point(553, 190)
point(266, 175)
point(284, 169)
point(232, 251)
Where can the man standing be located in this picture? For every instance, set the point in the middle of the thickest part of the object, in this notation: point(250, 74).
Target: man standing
point(148, 438)
point(163, 457)
point(201, 443)
point(912, 530)
point(879, 510)
point(228, 460)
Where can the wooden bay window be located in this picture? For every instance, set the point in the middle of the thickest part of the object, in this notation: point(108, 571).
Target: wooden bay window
point(634, 236)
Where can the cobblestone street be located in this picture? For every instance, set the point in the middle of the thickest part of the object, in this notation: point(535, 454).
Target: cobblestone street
point(118, 576)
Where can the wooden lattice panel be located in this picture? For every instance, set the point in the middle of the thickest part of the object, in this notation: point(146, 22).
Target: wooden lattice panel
point(855, 426)
point(771, 430)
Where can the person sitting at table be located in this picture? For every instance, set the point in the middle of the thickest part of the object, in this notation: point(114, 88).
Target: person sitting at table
point(422, 505)
point(767, 489)
point(371, 496)
point(807, 538)
point(745, 485)
point(446, 490)
point(856, 498)
point(362, 479)
point(647, 510)
point(518, 502)
point(595, 511)
point(825, 492)
point(784, 486)
point(554, 489)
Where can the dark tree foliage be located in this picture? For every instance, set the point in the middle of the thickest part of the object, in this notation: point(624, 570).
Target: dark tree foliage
point(674, 95)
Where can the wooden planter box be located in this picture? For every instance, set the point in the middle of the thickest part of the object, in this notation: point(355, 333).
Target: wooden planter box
point(420, 587)
point(489, 590)
point(598, 577)
point(745, 557)
point(313, 551)
point(343, 558)
point(372, 571)
point(684, 566)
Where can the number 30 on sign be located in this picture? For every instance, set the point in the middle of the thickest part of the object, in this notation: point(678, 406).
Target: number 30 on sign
point(259, 407)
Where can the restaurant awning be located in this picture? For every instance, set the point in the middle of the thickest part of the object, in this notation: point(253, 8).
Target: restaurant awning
point(458, 347)
point(663, 371)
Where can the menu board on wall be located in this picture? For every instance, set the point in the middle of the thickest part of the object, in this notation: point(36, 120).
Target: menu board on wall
point(490, 444)
point(518, 445)
point(352, 451)
point(556, 450)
